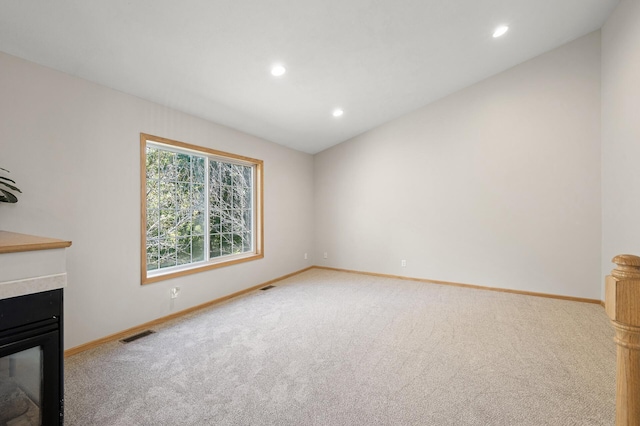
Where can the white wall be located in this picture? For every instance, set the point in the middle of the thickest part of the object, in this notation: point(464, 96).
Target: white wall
point(621, 133)
point(73, 148)
point(496, 185)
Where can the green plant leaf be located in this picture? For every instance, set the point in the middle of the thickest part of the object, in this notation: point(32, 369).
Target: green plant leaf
point(7, 197)
point(10, 186)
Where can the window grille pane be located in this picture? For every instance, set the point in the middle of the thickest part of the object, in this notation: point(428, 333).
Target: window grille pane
point(167, 252)
point(197, 249)
point(167, 168)
point(237, 175)
point(153, 195)
point(152, 163)
point(152, 254)
point(183, 251)
point(227, 245)
point(247, 243)
point(226, 171)
point(226, 222)
point(248, 220)
point(248, 174)
point(238, 197)
point(197, 223)
point(153, 224)
point(227, 196)
point(167, 195)
point(197, 165)
point(215, 245)
point(214, 222)
point(237, 243)
point(183, 223)
point(167, 222)
point(183, 167)
point(183, 195)
point(197, 197)
point(237, 220)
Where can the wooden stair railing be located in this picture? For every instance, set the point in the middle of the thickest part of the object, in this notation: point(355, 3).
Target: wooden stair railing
point(622, 303)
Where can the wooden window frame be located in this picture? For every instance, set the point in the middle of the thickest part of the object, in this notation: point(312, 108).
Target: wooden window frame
point(258, 231)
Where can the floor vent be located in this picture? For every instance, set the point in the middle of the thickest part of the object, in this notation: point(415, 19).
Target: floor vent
point(137, 336)
point(268, 287)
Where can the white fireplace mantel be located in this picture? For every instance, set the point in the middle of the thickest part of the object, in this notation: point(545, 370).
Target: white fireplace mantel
point(31, 264)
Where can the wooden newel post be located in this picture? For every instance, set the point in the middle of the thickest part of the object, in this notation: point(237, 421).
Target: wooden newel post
point(622, 303)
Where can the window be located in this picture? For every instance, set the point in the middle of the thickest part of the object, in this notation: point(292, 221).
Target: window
point(202, 208)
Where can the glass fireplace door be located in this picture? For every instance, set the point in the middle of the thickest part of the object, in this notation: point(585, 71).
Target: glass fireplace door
point(25, 367)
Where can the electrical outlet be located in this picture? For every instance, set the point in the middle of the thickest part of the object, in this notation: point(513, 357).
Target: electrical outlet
point(174, 292)
point(306, 256)
point(403, 263)
point(325, 255)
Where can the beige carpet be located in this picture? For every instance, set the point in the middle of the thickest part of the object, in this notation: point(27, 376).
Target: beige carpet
point(331, 348)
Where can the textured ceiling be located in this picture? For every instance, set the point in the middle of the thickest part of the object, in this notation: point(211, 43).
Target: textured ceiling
point(376, 59)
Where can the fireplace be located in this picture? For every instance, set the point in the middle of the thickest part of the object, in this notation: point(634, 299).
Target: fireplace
point(31, 387)
point(32, 278)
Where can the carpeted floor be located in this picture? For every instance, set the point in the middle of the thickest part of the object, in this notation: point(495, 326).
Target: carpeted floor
point(332, 348)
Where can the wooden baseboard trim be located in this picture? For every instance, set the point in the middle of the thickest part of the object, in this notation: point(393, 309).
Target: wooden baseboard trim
point(137, 329)
point(476, 287)
point(602, 303)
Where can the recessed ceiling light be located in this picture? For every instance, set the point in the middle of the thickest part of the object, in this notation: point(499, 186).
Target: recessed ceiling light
point(500, 31)
point(278, 70)
point(337, 112)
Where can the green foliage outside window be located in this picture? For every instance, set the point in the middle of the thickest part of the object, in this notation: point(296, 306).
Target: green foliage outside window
point(179, 220)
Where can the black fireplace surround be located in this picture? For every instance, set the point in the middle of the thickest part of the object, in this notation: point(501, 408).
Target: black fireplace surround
point(31, 361)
